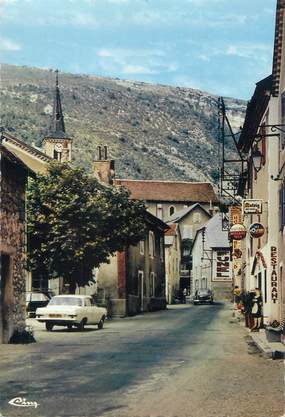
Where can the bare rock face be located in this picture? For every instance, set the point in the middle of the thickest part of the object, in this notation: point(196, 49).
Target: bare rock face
point(152, 131)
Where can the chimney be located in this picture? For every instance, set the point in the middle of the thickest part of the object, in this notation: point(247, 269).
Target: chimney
point(104, 168)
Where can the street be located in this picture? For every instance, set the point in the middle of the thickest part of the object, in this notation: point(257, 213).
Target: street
point(186, 361)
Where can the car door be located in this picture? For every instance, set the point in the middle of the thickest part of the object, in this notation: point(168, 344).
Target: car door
point(88, 311)
point(97, 314)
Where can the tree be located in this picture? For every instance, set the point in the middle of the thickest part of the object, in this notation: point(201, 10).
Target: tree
point(75, 224)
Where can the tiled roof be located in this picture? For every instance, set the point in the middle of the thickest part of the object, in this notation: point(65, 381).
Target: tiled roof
point(28, 148)
point(172, 191)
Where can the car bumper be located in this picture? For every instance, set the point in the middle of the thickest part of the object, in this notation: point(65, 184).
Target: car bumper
point(58, 321)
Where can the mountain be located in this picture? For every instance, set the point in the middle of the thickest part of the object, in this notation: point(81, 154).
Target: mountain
point(152, 131)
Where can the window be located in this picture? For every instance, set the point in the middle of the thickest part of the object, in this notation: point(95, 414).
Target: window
point(142, 247)
point(282, 206)
point(159, 211)
point(151, 244)
point(57, 155)
point(171, 210)
point(161, 249)
point(152, 284)
point(87, 302)
point(140, 291)
point(197, 218)
point(187, 232)
point(283, 118)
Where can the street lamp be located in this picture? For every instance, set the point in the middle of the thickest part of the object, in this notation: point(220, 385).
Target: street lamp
point(256, 159)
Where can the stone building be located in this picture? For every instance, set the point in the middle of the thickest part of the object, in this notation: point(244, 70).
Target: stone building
point(12, 244)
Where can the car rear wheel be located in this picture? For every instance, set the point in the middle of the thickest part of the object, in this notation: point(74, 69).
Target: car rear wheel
point(69, 326)
point(101, 323)
point(49, 326)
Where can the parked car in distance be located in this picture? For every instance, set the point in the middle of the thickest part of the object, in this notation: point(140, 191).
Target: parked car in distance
point(203, 296)
point(34, 300)
point(71, 310)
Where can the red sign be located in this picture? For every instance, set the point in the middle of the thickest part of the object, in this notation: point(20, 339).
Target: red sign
point(237, 232)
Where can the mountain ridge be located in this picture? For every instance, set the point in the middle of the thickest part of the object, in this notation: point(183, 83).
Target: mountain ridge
point(153, 131)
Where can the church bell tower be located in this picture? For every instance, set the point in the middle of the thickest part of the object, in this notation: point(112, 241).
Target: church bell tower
point(57, 144)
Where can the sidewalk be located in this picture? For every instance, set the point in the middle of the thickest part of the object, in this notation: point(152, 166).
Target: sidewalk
point(274, 350)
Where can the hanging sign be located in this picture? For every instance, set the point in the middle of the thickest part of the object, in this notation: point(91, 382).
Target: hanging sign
point(256, 230)
point(251, 206)
point(237, 232)
point(235, 215)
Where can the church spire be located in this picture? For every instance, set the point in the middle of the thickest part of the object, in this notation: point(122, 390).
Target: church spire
point(57, 128)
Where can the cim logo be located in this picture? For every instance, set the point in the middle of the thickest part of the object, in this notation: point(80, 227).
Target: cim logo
point(22, 402)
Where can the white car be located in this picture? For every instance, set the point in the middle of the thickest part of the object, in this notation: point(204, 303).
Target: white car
point(71, 310)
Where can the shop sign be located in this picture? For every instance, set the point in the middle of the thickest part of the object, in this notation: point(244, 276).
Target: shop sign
point(222, 266)
point(256, 230)
point(274, 278)
point(235, 215)
point(237, 232)
point(251, 206)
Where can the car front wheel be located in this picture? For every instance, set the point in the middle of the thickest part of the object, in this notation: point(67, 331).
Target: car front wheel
point(101, 323)
point(49, 326)
point(82, 324)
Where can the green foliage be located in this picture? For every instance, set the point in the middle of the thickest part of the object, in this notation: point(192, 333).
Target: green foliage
point(75, 223)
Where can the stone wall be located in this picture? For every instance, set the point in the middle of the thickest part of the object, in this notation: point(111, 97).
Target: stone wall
point(12, 249)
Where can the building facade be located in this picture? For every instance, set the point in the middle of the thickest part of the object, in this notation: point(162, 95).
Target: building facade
point(211, 260)
point(262, 141)
point(134, 280)
point(172, 242)
point(12, 244)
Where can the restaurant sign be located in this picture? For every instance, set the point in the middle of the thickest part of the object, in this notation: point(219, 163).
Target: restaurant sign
point(251, 206)
point(274, 278)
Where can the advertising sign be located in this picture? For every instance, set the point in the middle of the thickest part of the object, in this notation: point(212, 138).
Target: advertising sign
point(222, 272)
point(235, 215)
point(256, 230)
point(237, 232)
point(251, 206)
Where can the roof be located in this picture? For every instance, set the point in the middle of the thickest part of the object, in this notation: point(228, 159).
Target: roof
point(172, 230)
point(179, 215)
point(28, 148)
point(57, 127)
point(256, 108)
point(155, 221)
point(215, 236)
point(279, 39)
point(171, 191)
point(12, 158)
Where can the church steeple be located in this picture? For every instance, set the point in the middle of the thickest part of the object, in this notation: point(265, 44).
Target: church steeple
point(57, 127)
point(57, 144)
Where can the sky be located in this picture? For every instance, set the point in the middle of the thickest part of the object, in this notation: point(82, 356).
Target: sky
point(219, 46)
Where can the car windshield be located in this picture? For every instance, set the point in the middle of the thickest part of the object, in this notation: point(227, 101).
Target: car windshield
point(204, 292)
point(67, 301)
point(36, 297)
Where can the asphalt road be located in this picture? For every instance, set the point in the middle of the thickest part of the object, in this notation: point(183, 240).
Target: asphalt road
point(188, 361)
